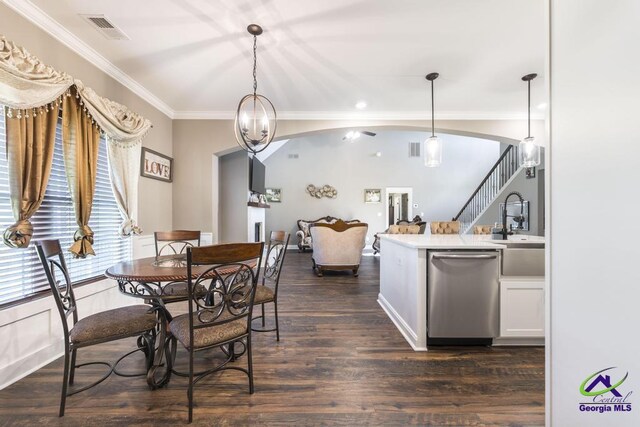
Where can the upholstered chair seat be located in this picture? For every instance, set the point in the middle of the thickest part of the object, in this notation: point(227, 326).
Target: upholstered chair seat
point(179, 290)
point(112, 324)
point(263, 294)
point(209, 335)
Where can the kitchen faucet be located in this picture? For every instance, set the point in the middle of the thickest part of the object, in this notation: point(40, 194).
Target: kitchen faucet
point(520, 218)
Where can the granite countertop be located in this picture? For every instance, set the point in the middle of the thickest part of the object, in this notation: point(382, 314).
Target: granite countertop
point(456, 241)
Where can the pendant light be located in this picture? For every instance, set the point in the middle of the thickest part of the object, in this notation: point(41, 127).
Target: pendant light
point(256, 118)
point(528, 151)
point(432, 145)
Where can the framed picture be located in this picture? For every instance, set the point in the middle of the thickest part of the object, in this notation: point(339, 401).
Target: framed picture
point(373, 195)
point(530, 172)
point(274, 195)
point(155, 165)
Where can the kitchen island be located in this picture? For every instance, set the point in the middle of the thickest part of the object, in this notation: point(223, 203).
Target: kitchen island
point(403, 285)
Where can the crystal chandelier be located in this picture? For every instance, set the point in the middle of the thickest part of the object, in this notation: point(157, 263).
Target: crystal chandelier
point(256, 118)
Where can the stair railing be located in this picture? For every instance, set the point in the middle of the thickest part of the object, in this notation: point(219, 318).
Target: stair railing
point(489, 188)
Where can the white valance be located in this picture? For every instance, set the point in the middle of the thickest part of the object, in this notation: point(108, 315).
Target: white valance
point(121, 125)
point(25, 82)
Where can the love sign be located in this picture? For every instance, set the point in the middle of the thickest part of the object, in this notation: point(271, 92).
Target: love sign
point(155, 165)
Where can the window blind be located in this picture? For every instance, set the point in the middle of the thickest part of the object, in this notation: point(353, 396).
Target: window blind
point(21, 274)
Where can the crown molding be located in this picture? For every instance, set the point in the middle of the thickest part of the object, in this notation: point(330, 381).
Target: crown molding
point(373, 115)
point(38, 17)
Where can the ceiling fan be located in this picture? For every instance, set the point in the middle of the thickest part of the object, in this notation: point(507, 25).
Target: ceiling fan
point(352, 135)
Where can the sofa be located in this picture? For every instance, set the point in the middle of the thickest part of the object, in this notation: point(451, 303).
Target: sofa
point(337, 246)
point(304, 236)
point(415, 226)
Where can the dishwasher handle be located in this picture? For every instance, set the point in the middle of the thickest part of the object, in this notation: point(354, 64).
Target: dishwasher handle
point(474, 256)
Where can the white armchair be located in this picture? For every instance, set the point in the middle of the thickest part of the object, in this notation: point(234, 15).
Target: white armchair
point(337, 246)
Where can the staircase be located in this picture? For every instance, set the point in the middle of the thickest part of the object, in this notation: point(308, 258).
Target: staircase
point(498, 177)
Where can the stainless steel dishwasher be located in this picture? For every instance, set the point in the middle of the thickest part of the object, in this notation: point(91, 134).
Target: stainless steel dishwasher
point(463, 296)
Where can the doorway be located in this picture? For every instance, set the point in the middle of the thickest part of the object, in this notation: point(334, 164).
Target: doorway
point(398, 204)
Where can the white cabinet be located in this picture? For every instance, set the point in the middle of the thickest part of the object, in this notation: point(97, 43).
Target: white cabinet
point(522, 307)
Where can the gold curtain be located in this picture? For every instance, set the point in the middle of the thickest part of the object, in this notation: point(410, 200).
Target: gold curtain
point(30, 143)
point(81, 139)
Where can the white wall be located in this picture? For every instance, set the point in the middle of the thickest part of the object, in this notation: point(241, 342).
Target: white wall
point(594, 252)
point(353, 167)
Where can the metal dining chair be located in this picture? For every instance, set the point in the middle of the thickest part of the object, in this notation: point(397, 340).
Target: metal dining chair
point(176, 242)
point(111, 325)
point(268, 291)
point(222, 318)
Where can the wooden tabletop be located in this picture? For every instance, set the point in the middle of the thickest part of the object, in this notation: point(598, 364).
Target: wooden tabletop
point(170, 268)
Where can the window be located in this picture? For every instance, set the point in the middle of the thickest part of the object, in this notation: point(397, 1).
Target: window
point(21, 274)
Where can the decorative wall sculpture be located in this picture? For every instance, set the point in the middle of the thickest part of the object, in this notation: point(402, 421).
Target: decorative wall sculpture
point(320, 192)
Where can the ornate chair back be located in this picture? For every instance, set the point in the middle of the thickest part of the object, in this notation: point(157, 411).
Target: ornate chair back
point(276, 251)
point(55, 268)
point(175, 242)
point(230, 279)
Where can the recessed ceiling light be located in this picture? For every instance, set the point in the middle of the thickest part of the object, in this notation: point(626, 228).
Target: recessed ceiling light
point(542, 106)
point(379, 154)
point(361, 105)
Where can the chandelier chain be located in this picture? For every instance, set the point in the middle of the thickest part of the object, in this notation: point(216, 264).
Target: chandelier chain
point(255, 65)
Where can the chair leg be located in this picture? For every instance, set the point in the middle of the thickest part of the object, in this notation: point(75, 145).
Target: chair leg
point(263, 324)
point(72, 367)
point(250, 364)
point(232, 351)
point(65, 382)
point(275, 309)
point(190, 389)
point(355, 271)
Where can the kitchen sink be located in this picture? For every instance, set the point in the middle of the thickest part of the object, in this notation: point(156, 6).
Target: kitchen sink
point(523, 259)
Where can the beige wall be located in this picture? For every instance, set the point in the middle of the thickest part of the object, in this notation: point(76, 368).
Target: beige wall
point(195, 142)
point(156, 199)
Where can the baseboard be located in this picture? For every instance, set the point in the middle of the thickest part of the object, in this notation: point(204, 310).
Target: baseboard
point(402, 326)
point(524, 342)
point(28, 364)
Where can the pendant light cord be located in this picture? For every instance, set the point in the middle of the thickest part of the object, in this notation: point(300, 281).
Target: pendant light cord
point(255, 65)
point(432, 112)
point(529, 109)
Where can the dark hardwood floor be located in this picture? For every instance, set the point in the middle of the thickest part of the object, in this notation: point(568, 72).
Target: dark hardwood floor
point(340, 361)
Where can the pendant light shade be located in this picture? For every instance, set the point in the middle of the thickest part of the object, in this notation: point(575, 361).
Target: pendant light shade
point(432, 152)
point(529, 151)
point(432, 145)
point(256, 117)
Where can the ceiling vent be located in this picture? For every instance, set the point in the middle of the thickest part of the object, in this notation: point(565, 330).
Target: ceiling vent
point(414, 149)
point(102, 24)
point(293, 156)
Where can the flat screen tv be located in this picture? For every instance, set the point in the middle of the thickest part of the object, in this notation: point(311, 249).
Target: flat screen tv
point(256, 176)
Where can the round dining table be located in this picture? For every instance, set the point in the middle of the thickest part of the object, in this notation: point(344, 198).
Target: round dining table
point(154, 279)
point(150, 279)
